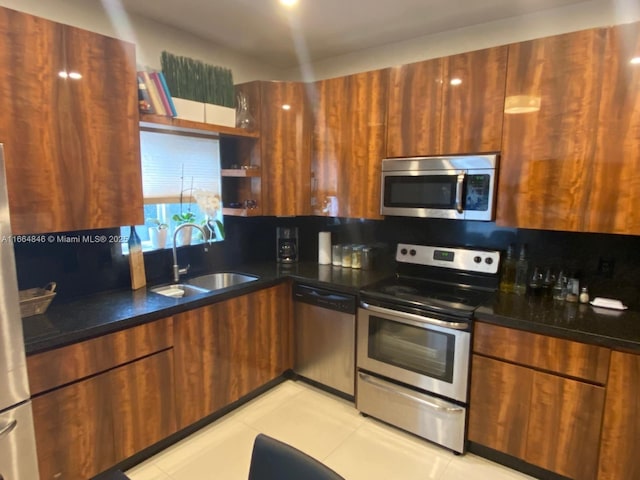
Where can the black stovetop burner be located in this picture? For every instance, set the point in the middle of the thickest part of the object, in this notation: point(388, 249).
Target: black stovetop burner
point(426, 283)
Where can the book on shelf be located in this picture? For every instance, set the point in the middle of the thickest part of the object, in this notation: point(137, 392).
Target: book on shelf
point(144, 100)
point(156, 101)
point(155, 78)
point(168, 93)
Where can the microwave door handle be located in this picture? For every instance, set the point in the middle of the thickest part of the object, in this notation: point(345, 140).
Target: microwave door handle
point(459, 189)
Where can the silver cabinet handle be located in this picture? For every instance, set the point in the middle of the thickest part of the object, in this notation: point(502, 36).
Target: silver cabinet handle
point(459, 188)
point(397, 391)
point(415, 320)
point(7, 429)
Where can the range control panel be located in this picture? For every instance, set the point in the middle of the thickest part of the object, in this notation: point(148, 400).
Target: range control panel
point(470, 260)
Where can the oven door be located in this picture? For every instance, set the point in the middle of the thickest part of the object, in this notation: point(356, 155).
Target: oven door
point(451, 194)
point(407, 348)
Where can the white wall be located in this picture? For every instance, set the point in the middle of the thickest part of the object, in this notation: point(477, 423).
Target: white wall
point(150, 37)
point(575, 17)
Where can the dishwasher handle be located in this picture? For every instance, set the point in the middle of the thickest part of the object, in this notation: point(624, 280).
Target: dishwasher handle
point(321, 297)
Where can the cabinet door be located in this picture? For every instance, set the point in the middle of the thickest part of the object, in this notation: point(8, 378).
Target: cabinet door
point(564, 426)
point(143, 403)
point(285, 133)
point(365, 129)
point(473, 101)
point(228, 349)
point(546, 167)
point(615, 191)
point(499, 405)
point(71, 145)
point(415, 109)
point(349, 143)
point(328, 145)
point(74, 430)
point(621, 427)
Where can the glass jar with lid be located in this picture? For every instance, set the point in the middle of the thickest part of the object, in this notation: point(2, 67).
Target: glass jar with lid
point(356, 256)
point(336, 255)
point(347, 250)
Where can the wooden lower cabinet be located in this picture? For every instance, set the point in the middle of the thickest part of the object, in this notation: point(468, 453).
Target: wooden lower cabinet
point(621, 426)
point(74, 430)
point(226, 350)
point(499, 413)
point(143, 403)
point(87, 427)
point(564, 426)
point(546, 420)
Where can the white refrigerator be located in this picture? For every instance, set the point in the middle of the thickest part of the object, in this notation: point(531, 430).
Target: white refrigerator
point(18, 459)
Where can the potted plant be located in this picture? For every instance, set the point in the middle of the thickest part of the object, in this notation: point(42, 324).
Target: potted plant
point(158, 233)
point(201, 92)
point(184, 234)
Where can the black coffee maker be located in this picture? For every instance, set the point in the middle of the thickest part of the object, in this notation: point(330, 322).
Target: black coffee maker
point(287, 244)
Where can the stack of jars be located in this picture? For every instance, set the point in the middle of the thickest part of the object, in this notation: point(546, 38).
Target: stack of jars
point(351, 256)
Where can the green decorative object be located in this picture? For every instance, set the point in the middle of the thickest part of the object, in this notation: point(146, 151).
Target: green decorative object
point(195, 80)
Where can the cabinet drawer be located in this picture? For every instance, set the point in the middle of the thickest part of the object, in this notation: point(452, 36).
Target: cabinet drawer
point(57, 367)
point(565, 357)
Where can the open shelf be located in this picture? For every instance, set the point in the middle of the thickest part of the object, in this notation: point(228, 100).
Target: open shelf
point(240, 172)
point(241, 212)
point(181, 125)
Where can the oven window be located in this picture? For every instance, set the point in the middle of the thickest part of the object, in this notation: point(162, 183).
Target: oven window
point(424, 191)
point(423, 351)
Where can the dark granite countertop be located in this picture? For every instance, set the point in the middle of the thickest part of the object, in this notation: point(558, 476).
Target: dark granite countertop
point(573, 321)
point(111, 311)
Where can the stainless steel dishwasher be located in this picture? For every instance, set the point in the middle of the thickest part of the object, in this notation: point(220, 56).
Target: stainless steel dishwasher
point(325, 328)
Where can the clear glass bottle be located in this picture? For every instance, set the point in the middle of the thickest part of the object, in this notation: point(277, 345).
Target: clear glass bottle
point(522, 267)
point(508, 271)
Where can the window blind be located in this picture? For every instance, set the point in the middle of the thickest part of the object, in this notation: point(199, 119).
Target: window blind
point(168, 157)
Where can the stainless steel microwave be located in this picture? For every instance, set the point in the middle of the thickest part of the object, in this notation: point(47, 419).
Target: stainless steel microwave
point(457, 187)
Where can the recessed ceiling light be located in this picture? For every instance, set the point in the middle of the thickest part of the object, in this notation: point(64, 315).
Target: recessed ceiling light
point(286, 107)
point(75, 75)
point(288, 3)
point(63, 74)
point(635, 60)
point(455, 81)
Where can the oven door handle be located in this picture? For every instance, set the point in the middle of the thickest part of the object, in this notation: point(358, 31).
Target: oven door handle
point(399, 391)
point(459, 189)
point(416, 320)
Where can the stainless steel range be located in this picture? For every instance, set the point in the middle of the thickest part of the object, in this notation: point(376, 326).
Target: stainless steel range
point(414, 340)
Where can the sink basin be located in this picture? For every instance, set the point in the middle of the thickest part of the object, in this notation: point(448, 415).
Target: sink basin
point(179, 290)
point(216, 281)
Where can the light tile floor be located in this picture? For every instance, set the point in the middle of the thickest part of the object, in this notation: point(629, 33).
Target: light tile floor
point(321, 425)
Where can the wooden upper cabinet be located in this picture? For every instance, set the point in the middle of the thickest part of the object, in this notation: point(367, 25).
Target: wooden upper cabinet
point(349, 143)
point(285, 133)
point(473, 101)
point(71, 145)
point(330, 112)
point(415, 108)
point(447, 105)
point(546, 171)
point(615, 191)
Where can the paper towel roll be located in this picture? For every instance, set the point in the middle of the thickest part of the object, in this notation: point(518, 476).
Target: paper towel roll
point(324, 248)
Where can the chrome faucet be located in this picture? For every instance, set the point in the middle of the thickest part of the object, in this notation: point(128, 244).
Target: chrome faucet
point(177, 271)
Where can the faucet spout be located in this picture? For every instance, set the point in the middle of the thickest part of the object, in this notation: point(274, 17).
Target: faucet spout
point(176, 270)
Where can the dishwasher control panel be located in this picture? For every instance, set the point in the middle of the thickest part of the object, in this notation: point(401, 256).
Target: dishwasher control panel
point(332, 300)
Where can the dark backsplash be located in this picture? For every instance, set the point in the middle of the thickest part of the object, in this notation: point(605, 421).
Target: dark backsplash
point(81, 269)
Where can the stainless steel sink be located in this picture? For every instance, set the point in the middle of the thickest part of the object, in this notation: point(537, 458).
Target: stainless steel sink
point(216, 281)
point(179, 290)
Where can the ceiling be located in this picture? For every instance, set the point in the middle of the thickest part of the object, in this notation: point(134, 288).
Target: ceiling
point(320, 29)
